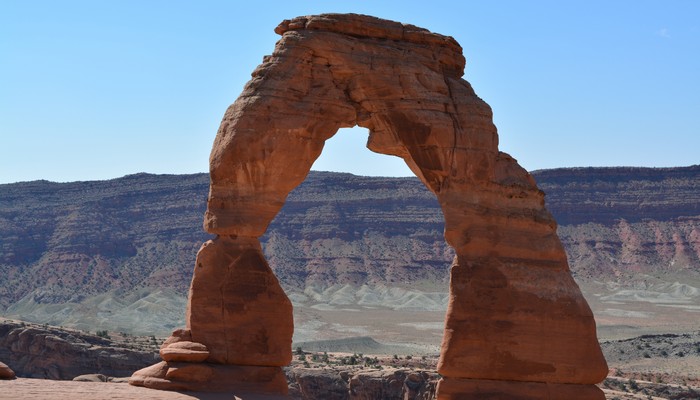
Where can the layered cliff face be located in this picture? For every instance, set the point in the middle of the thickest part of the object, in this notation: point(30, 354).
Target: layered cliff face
point(339, 240)
point(102, 254)
point(619, 222)
point(390, 234)
point(65, 242)
point(606, 195)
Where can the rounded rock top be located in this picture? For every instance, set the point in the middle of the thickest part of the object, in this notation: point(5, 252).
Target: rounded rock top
point(367, 26)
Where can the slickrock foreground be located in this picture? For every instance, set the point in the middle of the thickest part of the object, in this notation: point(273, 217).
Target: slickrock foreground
point(41, 389)
point(517, 325)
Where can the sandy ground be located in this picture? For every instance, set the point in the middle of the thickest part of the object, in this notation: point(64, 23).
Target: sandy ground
point(650, 306)
point(41, 389)
point(621, 313)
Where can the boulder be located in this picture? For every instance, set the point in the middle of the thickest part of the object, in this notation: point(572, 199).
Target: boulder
point(184, 352)
point(208, 377)
point(6, 372)
point(178, 335)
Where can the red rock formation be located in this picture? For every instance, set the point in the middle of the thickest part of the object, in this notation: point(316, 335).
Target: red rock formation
point(237, 307)
point(185, 352)
point(6, 372)
point(516, 317)
point(239, 326)
point(468, 389)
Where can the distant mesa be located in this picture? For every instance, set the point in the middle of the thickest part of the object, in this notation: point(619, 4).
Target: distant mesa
point(516, 320)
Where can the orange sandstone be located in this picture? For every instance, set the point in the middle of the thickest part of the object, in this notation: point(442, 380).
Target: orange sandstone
point(6, 372)
point(516, 320)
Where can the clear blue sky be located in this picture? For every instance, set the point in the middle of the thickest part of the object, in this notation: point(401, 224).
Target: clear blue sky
point(100, 89)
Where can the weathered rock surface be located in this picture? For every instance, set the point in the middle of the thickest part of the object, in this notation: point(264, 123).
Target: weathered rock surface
point(316, 382)
point(398, 384)
point(515, 313)
point(209, 377)
point(91, 378)
point(184, 352)
point(237, 308)
point(325, 383)
point(6, 372)
point(51, 353)
point(348, 384)
point(41, 389)
point(239, 320)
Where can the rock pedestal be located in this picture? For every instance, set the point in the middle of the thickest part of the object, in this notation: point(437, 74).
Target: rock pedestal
point(237, 308)
point(239, 326)
point(517, 325)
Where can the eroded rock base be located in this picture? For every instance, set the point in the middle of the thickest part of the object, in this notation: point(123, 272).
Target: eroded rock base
point(236, 306)
point(206, 377)
point(481, 389)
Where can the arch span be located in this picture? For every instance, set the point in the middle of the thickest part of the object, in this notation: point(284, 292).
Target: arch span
point(516, 320)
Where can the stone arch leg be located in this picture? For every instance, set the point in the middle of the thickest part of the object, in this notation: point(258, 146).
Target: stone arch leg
point(515, 314)
point(238, 326)
point(517, 325)
point(237, 312)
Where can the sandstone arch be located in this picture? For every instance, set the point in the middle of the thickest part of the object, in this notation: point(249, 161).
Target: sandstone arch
point(517, 325)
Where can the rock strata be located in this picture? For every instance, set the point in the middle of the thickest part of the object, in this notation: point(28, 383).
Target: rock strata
point(185, 352)
point(613, 222)
point(209, 377)
point(515, 315)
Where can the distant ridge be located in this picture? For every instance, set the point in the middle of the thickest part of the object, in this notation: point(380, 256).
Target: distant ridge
point(604, 195)
point(63, 245)
point(623, 170)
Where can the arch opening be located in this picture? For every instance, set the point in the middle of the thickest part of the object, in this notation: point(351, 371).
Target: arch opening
point(366, 260)
point(362, 256)
point(346, 151)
